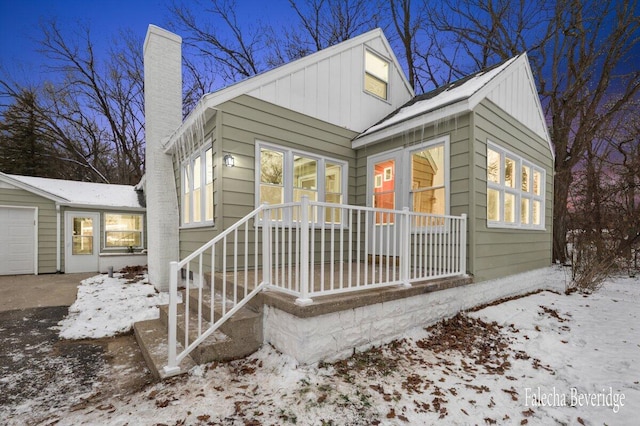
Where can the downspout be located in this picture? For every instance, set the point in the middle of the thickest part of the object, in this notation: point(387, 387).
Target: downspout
point(58, 239)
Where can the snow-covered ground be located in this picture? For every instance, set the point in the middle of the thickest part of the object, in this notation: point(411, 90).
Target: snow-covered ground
point(541, 359)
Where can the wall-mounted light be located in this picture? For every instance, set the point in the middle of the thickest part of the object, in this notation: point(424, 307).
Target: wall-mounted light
point(229, 161)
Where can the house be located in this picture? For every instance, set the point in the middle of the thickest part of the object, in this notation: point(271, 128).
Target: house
point(53, 225)
point(328, 177)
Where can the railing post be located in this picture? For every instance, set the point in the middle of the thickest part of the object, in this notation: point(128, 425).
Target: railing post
point(405, 247)
point(463, 244)
point(172, 365)
point(305, 228)
point(266, 246)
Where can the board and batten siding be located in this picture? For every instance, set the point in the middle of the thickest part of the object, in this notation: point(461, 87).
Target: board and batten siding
point(46, 224)
point(239, 123)
point(506, 251)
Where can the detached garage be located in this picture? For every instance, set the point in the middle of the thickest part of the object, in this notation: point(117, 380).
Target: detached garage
point(52, 225)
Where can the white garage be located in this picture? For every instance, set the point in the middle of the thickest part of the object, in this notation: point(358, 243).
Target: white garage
point(18, 240)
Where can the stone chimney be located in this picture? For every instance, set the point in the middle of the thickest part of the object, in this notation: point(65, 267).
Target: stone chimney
point(163, 115)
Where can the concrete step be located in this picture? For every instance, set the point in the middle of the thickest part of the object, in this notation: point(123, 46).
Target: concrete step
point(239, 336)
point(152, 338)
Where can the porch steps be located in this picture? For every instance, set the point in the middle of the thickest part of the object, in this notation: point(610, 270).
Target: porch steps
point(238, 337)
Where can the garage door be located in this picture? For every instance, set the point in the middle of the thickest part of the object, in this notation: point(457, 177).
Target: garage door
point(17, 240)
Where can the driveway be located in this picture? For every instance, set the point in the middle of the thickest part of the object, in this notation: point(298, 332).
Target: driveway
point(39, 291)
point(38, 369)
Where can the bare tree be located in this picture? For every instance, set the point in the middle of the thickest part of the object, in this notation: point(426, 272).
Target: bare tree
point(578, 49)
point(216, 34)
point(91, 115)
point(408, 22)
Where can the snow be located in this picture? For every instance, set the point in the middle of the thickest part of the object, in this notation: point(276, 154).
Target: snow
point(542, 350)
point(446, 97)
point(109, 306)
point(84, 193)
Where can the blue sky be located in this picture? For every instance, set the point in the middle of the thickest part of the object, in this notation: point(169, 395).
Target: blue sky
point(19, 20)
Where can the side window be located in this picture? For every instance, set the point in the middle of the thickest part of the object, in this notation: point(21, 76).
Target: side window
point(376, 75)
point(197, 188)
point(514, 190)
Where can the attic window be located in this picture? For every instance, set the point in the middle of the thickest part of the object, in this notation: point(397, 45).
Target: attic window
point(376, 74)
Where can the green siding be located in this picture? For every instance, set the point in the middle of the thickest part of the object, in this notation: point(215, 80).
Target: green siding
point(46, 224)
point(499, 251)
point(235, 128)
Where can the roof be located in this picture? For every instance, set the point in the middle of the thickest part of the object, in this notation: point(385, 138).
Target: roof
point(462, 96)
point(254, 84)
point(79, 194)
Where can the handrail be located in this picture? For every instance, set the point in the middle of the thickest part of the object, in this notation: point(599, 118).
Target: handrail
point(308, 249)
point(175, 358)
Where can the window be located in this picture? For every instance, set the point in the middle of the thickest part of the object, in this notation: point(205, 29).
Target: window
point(376, 74)
point(197, 188)
point(123, 230)
point(514, 190)
point(286, 175)
point(82, 236)
point(428, 180)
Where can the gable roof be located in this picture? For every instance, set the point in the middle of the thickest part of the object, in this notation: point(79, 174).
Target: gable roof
point(78, 194)
point(496, 83)
point(327, 85)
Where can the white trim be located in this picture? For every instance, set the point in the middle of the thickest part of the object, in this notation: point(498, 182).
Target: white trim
point(58, 239)
point(517, 191)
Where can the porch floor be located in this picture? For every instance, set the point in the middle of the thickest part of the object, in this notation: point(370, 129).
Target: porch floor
point(374, 272)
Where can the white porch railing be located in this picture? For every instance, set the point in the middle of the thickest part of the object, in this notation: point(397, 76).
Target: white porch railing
point(310, 249)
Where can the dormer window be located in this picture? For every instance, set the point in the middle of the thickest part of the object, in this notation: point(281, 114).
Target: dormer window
point(376, 74)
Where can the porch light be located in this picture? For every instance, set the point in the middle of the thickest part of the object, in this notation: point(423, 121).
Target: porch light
point(229, 161)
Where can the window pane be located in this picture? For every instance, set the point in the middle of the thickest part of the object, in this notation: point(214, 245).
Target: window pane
point(186, 202)
point(493, 166)
point(82, 236)
point(536, 182)
point(510, 173)
point(332, 215)
point(197, 206)
point(305, 178)
point(333, 178)
point(524, 211)
point(384, 201)
point(509, 208)
point(429, 201)
point(271, 194)
point(375, 86)
point(427, 168)
point(526, 173)
point(493, 204)
point(123, 230)
point(271, 167)
point(209, 185)
point(536, 213)
point(376, 66)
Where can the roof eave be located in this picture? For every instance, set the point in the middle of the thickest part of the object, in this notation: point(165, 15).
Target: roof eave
point(25, 186)
point(411, 123)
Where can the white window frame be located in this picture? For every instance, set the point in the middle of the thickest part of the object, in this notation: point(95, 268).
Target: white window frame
point(365, 73)
point(198, 155)
point(105, 231)
point(288, 161)
point(503, 189)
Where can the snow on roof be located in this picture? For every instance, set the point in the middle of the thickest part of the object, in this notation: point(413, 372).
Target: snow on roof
point(84, 193)
point(442, 96)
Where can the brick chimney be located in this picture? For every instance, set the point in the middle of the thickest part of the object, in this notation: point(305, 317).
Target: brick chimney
point(163, 115)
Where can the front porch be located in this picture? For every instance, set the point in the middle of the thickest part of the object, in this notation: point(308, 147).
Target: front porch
point(312, 260)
